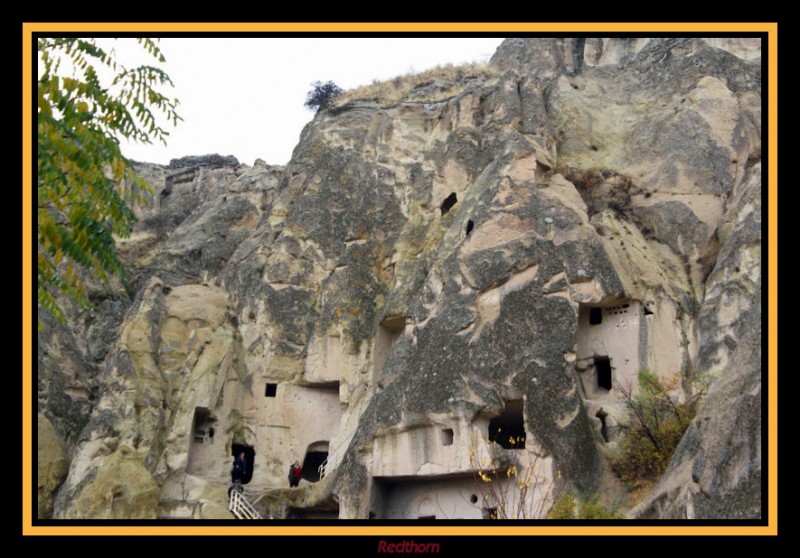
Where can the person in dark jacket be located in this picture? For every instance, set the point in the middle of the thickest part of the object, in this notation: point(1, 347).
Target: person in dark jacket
point(294, 474)
point(239, 469)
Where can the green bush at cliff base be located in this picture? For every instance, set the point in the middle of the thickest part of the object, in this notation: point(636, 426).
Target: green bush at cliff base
point(567, 507)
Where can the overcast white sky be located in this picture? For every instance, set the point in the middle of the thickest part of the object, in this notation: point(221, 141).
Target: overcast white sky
point(244, 96)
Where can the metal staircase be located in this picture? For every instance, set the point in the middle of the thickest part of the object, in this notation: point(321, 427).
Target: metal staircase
point(240, 507)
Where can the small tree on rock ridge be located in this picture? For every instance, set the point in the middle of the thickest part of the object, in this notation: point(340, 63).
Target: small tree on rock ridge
point(321, 95)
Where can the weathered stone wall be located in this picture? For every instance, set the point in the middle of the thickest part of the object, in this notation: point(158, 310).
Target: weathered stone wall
point(454, 498)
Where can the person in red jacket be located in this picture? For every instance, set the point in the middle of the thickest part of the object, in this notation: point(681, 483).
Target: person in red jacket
point(294, 474)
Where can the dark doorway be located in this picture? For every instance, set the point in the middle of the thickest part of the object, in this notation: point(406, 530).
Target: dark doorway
point(508, 429)
point(249, 458)
point(316, 454)
point(271, 390)
point(603, 367)
point(595, 316)
point(448, 202)
point(470, 226)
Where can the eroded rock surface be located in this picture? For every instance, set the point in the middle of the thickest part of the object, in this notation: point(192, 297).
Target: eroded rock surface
point(423, 275)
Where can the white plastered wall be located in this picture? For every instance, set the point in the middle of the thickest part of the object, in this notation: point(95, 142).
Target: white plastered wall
point(616, 337)
point(462, 497)
point(287, 424)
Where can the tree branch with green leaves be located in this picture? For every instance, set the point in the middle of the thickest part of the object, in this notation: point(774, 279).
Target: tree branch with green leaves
point(85, 185)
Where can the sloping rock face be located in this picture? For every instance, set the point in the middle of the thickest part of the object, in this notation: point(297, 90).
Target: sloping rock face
point(121, 488)
point(716, 469)
point(75, 360)
point(421, 273)
point(51, 465)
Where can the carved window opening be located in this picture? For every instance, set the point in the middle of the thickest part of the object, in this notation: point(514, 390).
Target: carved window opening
point(508, 428)
point(447, 437)
point(448, 202)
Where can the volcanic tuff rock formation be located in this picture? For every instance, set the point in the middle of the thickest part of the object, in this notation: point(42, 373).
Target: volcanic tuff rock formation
point(423, 274)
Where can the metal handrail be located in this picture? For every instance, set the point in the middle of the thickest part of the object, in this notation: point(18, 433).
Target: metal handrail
point(240, 507)
point(333, 457)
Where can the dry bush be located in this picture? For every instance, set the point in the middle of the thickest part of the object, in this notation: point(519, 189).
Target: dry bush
point(512, 488)
point(392, 92)
point(601, 188)
point(657, 425)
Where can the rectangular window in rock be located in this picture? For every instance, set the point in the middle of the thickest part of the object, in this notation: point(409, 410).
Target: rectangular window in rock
point(271, 390)
point(508, 428)
point(447, 437)
point(595, 316)
point(389, 332)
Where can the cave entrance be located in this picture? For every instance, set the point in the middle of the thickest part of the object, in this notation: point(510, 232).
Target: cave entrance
point(316, 454)
point(201, 454)
point(508, 428)
point(249, 459)
point(603, 368)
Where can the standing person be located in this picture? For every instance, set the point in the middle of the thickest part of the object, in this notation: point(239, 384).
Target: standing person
point(239, 470)
point(294, 474)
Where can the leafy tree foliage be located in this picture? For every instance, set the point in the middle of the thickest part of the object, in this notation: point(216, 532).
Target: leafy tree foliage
point(658, 422)
point(321, 95)
point(87, 102)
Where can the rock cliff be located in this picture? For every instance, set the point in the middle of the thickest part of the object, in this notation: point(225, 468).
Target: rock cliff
point(422, 275)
